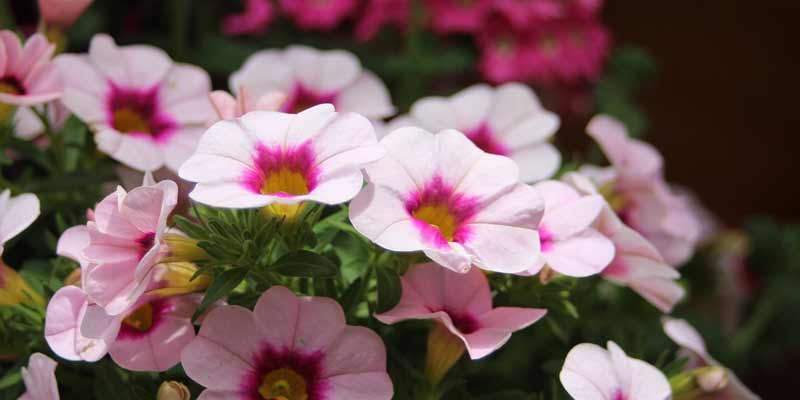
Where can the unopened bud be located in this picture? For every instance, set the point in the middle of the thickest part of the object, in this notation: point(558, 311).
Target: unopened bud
point(546, 275)
point(444, 350)
point(176, 278)
point(712, 379)
point(74, 278)
point(183, 248)
point(14, 290)
point(172, 390)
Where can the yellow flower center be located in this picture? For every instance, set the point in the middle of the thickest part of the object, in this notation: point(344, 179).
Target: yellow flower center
point(283, 384)
point(8, 88)
point(285, 181)
point(439, 217)
point(613, 197)
point(140, 319)
point(128, 120)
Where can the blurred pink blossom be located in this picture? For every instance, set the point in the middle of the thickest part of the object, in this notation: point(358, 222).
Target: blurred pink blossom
point(379, 13)
point(253, 20)
point(40, 378)
point(62, 12)
point(318, 14)
point(458, 16)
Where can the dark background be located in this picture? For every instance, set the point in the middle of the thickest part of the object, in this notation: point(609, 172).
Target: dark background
point(724, 105)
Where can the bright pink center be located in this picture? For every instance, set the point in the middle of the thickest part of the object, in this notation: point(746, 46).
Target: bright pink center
point(283, 172)
point(441, 214)
point(465, 323)
point(139, 112)
point(618, 395)
point(485, 139)
point(305, 366)
point(545, 238)
point(302, 98)
point(145, 243)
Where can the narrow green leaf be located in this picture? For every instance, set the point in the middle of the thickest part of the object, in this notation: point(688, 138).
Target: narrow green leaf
point(389, 288)
point(306, 264)
point(220, 287)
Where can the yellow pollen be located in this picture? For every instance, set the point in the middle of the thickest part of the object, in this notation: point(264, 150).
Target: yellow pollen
point(7, 109)
point(140, 319)
point(614, 199)
point(285, 181)
point(8, 88)
point(439, 217)
point(283, 384)
point(127, 120)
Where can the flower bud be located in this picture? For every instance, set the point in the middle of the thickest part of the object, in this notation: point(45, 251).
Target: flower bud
point(176, 278)
point(183, 248)
point(63, 13)
point(712, 379)
point(444, 350)
point(172, 390)
point(546, 275)
point(74, 278)
point(14, 290)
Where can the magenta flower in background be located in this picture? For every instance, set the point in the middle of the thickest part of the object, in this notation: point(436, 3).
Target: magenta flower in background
point(62, 12)
point(507, 120)
point(40, 378)
point(145, 110)
point(379, 13)
point(27, 76)
point(272, 157)
point(524, 13)
point(463, 303)
point(318, 15)
point(503, 52)
point(253, 20)
point(310, 77)
point(287, 347)
point(593, 373)
point(441, 194)
point(457, 16)
point(569, 51)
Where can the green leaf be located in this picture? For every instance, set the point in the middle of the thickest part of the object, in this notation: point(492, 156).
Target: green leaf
point(10, 379)
point(389, 288)
point(305, 264)
point(220, 287)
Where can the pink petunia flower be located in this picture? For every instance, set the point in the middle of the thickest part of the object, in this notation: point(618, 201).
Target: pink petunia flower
point(458, 16)
point(318, 15)
point(593, 373)
point(145, 110)
point(63, 13)
point(694, 347)
point(266, 158)
point(524, 13)
point(636, 264)
point(443, 195)
point(379, 13)
point(229, 107)
point(639, 193)
point(569, 243)
point(16, 214)
point(40, 378)
point(253, 20)
point(309, 77)
point(570, 51)
point(287, 347)
point(463, 303)
point(27, 76)
point(503, 51)
point(126, 241)
point(507, 120)
point(148, 336)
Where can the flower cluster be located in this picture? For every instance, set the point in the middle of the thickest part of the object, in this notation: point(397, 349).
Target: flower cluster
point(311, 221)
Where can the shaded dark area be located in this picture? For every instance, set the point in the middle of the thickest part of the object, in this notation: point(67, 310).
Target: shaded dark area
point(723, 108)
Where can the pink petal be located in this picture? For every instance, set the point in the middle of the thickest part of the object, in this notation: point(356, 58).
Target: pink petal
point(217, 359)
point(16, 213)
point(686, 336)
point(511, 101)
point(502, 248)
point(355, 349)
point(109, 59)
point(323, 71)
point(379, 214)
point(158, 350)
point(361, 386)
point(585, 254)
point(40, 378)
point(367, 96)
point(588, 373)
point(536, 162)
point(511, 318)
point(186, 82)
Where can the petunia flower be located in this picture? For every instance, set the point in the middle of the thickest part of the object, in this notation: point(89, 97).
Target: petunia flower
point(569, 51)
point(507, 120)
point(40, 378)
point(504, 51)
point(593, 373)
point(145, 110)
point(693, 346)
point(229, 107)
point(463, 304)
point(126, 241)
point(524, 13)
point(272, 158)
point(62, 12)
point(287, 347)
point(441, 194)
point(16, 214)
point(253, 20)
point(636, 188)
point(309, 77)
point(318, 15)
point(379, 13)
point(147, 336)
point(27, 76)
point(454, 16)
point(569, 243)
point(636, 263)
